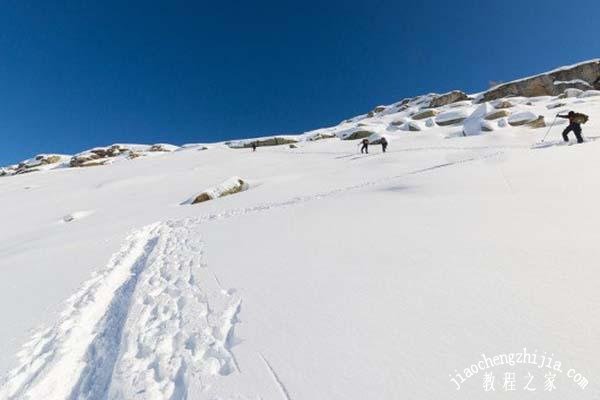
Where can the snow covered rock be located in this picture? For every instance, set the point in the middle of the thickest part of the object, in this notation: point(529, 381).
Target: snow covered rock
point(486, 126)
point(473, 124)
point(320, 136)
point(539, 122)
point(427, 113)
point(357, 134)
point(555, 105)
point(398, 122)
point(448, 98)
point(526, 118)
point(272, 141)
point(97, 156)
point(571, 93)
point(495, 114)
point(500, 104)
point(226, 188)
point(410, 126)
point(453, 117)
point(580, 84)
point(163, 147)
point(589, 93)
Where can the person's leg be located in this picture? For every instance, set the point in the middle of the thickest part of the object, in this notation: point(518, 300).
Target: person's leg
point(578, 134)
point(565, 133)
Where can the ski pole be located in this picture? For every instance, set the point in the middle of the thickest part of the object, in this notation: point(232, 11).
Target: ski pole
point(551, 125)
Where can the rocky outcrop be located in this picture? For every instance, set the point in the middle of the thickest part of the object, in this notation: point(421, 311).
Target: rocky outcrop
point(162, 147)
point(552, 83)
point(448, 98)
point(274, 141)
point(97, 156)
point(34, 164)
point(321, 136)
point(360, 134)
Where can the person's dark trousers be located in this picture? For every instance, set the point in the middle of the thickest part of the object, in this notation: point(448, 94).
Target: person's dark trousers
point(384, 147)
point(364, 149)
point(575, 128)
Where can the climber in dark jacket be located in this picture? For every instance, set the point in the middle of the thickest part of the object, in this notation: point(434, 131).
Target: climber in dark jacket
point(365, 146)
point(573, 127)
point(384, 144)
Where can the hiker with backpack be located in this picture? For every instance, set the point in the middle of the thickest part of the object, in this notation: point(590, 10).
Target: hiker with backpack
point(575, 121)
point(384, 143)
point(365, 146)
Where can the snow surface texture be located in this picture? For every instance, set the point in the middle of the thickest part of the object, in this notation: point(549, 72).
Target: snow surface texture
point(338, 276)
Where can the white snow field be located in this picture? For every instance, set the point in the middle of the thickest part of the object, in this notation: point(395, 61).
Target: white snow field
point(335, 275)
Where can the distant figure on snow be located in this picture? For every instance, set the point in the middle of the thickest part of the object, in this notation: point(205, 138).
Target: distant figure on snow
point(575, 121)
point(384, 144)
point(365, 146)
point(253, 146)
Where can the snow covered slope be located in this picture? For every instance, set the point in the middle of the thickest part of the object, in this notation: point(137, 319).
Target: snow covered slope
point(335, 275)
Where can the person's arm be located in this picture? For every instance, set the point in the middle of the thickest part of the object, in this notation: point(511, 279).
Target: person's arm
point(562, 116)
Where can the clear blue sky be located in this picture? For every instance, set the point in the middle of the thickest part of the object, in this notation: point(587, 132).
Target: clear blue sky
point(77, 74)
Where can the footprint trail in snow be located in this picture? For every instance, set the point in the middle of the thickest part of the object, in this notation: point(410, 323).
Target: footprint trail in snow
point(158, 315)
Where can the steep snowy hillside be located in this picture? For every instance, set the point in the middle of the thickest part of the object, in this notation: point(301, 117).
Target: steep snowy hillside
point(307, 270)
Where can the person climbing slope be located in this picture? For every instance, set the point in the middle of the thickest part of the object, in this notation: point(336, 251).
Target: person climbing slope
point(365, 146)
point(575, 121)
point(384, 144)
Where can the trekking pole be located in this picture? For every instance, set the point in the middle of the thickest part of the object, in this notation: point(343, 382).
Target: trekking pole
point(551, 125)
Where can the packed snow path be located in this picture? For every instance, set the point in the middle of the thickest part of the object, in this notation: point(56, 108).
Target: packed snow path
point(138, 328)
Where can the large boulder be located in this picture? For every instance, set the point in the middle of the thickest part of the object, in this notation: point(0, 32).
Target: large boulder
point(544, 84)
point(453, 117)
point(230, 186)
point(448, 98)
point(526, 118)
